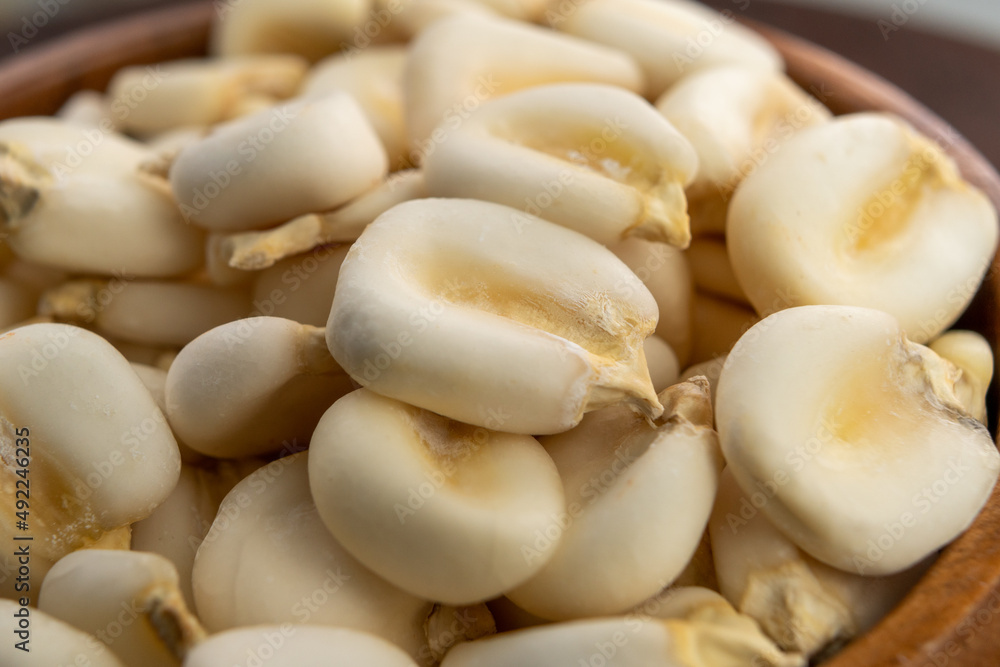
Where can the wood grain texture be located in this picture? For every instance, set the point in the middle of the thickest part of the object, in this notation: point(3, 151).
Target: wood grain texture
point(952, 617)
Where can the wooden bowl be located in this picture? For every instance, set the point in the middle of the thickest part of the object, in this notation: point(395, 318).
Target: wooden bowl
point(952, 617)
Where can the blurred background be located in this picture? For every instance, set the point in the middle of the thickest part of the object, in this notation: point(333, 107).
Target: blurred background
point(945, 53)
point(977, 21)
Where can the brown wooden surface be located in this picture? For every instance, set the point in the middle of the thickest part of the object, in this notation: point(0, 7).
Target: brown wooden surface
point(950, 618)
point(957, 80)
point(27, 24)
point(38, 81)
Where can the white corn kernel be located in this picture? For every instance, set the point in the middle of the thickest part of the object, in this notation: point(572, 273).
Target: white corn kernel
point(198, 92)
point(252, 251)
point(973, 355)
point(498, 57)
point(101, 456)
point(272, 166)
point(803, 604)
point(666, 273)
point(56, 642)
point(668, 38)
point(297, 646)
point(883, 464)
point(89, 589)
point(491, 317)
point(444, 510)
point(247, 387)
point(638, 499)
point(145, 312)
point(664, 368)
point(75, 198)
point(620, 168)
point(374, 76)
point(268, 522)
point(713, 640)
point(862, 211)
point(300, 288)
point(735, 117)
point(310, 28)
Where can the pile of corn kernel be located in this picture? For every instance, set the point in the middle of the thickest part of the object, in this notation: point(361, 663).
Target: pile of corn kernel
point(477, 333)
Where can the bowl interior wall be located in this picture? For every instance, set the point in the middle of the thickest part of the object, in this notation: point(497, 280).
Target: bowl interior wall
point(943, 615)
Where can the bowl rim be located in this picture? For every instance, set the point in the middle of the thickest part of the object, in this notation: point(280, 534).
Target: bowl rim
point(87, 58)
point(942, 615)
